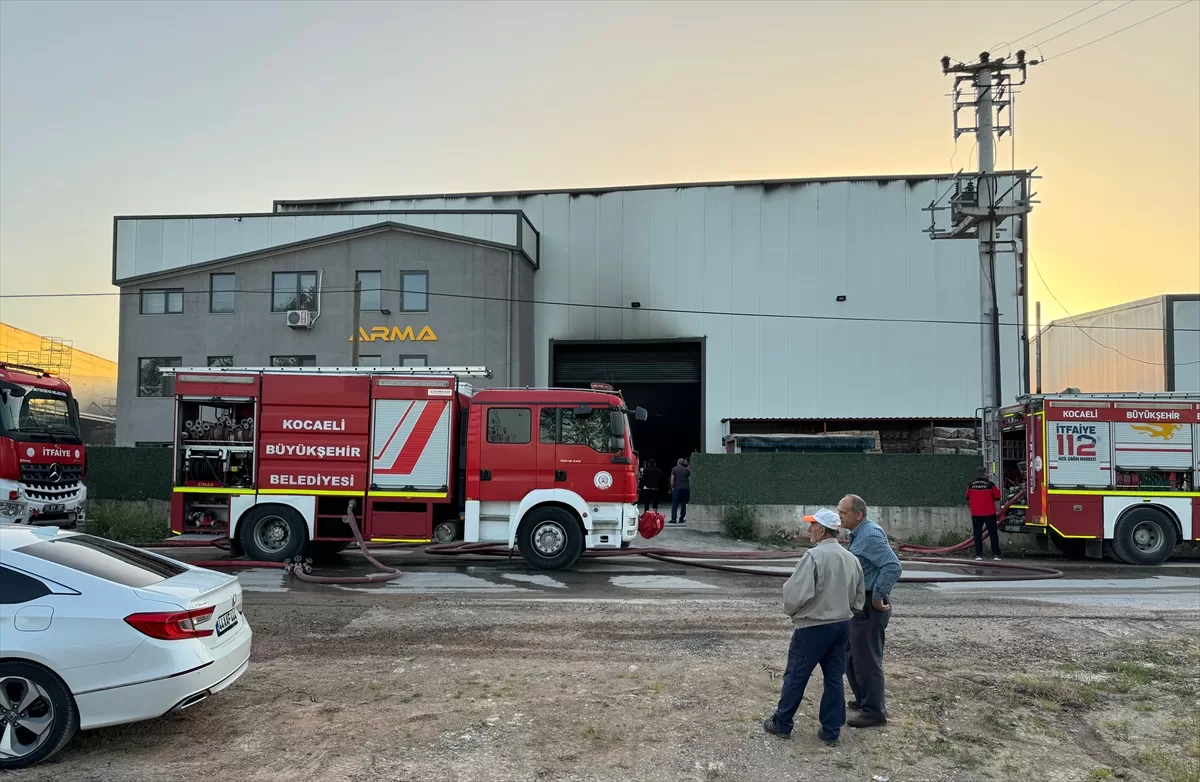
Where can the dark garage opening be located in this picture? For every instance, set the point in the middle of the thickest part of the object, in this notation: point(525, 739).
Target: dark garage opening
point(663, 377)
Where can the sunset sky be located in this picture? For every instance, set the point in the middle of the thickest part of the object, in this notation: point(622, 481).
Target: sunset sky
point(158, 108)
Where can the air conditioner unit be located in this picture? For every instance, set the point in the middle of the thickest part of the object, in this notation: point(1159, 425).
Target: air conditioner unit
point(299, 319)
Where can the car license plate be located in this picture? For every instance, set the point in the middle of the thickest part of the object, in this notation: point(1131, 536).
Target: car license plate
point(227, 621)
point(56, 508)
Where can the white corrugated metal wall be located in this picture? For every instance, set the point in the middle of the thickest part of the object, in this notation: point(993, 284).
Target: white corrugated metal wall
point(756, 269)
point(1082, 351)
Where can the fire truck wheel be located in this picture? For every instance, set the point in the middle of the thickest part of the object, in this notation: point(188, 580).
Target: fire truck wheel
point(1144, 536)
point(1071, 548)
point(273, 533)
point(550, 539)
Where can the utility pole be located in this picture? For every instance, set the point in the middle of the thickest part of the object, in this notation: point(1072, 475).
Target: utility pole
point(357, 323)
point(1039, 347)
point(977, 208)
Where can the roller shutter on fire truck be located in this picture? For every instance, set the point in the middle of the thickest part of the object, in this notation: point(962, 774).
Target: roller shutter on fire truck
point(1080, 451)
point(410, 444)
point(1153, 446)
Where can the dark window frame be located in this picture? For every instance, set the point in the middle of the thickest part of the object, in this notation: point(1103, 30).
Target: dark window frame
point(166, 294)
point(299, 358)
point(405, 356)
point(425, 293)
point(528, 431)
point(378, 291)
point(299, 290)
point(212, 291)
point(370, 355)
point(211, 364)
point(167, 382)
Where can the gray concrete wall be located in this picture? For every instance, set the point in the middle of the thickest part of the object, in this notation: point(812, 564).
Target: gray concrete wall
point(902, 524)
point(469, 330)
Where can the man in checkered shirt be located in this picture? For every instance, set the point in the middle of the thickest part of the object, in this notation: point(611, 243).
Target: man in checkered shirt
point(881, 571)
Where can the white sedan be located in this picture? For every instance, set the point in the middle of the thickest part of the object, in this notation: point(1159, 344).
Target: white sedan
point(95, 633)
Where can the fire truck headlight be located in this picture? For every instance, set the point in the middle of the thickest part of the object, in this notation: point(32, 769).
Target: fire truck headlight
point(11, 510)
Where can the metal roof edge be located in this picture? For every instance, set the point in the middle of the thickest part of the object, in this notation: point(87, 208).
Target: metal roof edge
point(623, 188)
point(1071, 320)
point(352, 233)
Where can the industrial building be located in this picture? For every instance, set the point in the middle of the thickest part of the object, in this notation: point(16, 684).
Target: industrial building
point(1147, 345)
point(781, 305)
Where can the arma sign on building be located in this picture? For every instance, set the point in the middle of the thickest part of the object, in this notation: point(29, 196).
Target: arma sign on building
point(395, 334)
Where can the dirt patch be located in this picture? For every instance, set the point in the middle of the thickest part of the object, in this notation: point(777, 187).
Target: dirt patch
point(374, 688)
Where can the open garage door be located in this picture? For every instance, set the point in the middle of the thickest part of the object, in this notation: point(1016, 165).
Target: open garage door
point(666, 378)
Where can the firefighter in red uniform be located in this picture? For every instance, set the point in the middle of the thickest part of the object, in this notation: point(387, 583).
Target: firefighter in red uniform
point(982, 495)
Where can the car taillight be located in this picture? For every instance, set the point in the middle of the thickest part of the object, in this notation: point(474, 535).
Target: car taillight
point(172, 626)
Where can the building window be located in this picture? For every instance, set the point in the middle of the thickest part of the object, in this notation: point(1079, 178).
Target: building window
point(220, 361)
point(414, 361)
point(509, 425)
point(414, 292)
point(162, 301)
point(149, 444)
point(293, 361)
point(220, 293)
point(370, 361)
point(293, 291)
point(151, 382)
point(372, 291)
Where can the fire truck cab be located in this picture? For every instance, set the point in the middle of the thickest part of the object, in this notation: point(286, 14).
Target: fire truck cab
point(1100, 474)
point(42, 455)
point(272, 458)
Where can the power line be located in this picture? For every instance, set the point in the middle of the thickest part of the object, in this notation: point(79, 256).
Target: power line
point(1089, 336)
point(579, 305)
point(1060, 21)
point(1084, 23)
point(1117, 32)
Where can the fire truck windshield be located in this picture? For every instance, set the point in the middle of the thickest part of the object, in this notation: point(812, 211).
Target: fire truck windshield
point(29, 413)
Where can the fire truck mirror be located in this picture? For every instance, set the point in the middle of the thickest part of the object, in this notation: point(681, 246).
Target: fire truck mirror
point(11, 389)
point(640, 414)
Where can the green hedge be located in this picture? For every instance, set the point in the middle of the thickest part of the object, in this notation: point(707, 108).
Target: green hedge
point(129, 473)
point(908, 480)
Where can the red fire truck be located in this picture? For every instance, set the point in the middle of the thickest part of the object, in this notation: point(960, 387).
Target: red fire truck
point(1100, 474)
point(42, 455)
point(272, 457)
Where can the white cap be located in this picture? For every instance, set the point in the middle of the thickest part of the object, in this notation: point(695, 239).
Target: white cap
point(826, 518)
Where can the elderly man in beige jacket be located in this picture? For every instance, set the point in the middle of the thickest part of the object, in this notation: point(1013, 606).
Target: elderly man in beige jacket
point(821, 596)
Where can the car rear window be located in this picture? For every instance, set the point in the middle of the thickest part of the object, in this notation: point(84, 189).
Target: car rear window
point(105, 559)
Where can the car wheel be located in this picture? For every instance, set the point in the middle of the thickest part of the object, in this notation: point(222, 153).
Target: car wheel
point(273, 533)
point(1144, 536)
point(550, 539)
point(37, 715)
point(1071, 548)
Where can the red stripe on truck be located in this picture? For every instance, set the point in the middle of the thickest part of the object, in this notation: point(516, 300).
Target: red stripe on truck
point(422, 430)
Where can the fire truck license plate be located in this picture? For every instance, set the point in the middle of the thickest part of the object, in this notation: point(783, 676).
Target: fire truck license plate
point(227, 621)
point(57, 508)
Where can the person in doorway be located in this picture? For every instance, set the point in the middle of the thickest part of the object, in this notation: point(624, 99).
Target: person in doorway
point(982, 495)
point(651, 481)
point(681, 491)
point(881, 571)
point(821, 597)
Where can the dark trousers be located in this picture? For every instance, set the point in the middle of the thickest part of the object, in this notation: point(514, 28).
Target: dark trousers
point(823, 645)
point(865, 669)
point(649, 499)
point(978, 522)
point(679, 501)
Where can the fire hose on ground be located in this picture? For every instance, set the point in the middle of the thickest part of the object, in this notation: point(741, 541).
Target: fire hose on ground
point(709, 560)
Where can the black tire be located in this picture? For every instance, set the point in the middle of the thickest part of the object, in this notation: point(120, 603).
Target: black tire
point(626, 543)
point(1071, 548)
point(54, 701)
point(273, 533)
point(1144, 536)
point(550, 539)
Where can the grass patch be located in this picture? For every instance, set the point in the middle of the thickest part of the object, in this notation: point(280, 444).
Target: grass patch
point(1057, 691)
point(1171, 768)
point(1101, 773)
point(739, 522)
point(1136, 674)
point(1120, 728)
point(136, 525)
point(782, 537)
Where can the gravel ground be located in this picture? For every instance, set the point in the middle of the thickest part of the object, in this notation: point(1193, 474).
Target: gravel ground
point(352, 686)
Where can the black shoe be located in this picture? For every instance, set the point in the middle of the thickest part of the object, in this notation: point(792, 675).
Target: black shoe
point(863, 721)
point(828, 740)
point(856, 705)
point(772, 727)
